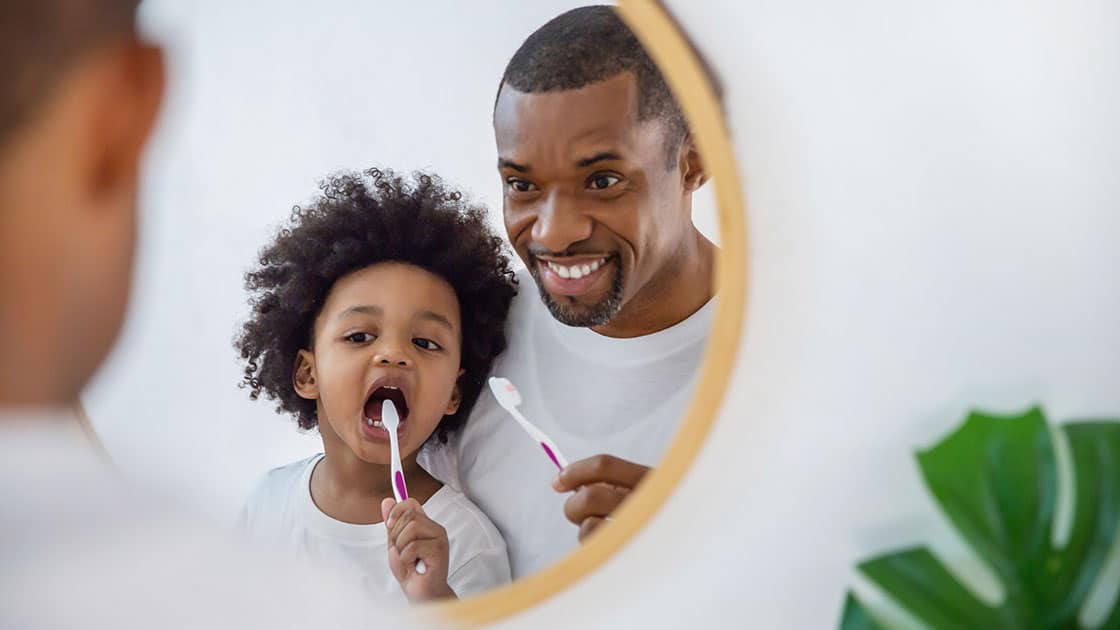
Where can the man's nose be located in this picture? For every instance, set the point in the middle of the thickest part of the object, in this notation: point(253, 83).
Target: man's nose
point(560, 223)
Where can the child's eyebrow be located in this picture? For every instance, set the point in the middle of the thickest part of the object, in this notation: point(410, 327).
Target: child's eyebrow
point(368, 310)
point(437, 318)
point(377, 310)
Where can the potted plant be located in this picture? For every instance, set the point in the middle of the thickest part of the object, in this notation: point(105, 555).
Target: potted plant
point(997, 480)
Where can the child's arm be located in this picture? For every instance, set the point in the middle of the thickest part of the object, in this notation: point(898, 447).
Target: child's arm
point(413, 536)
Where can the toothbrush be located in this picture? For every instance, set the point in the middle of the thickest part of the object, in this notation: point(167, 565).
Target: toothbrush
point(509, 398)
point(391, 421)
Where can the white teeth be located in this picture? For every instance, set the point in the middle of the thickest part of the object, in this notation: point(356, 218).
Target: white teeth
point(369, 422)
point(392, 387)
point(576, 272)
point(373, 423)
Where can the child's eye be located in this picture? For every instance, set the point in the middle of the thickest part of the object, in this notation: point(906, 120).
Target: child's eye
point(426, 344)
point(358, 337)
point(603, 181)
point(520, 185)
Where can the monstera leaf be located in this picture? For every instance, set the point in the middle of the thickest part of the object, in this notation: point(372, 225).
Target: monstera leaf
point(997, 480)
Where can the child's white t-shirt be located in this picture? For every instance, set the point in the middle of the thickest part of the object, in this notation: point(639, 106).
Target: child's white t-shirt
point(280, 512)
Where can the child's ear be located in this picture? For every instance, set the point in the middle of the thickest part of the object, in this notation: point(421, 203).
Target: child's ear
point(303, 377)
point(456, 396)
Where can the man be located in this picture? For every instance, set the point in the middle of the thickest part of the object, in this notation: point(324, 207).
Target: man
point(598, 170)
point(80, 547)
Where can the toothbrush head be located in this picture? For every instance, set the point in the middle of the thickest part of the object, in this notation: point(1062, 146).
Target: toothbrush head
point(389, 417)
point(504, 391)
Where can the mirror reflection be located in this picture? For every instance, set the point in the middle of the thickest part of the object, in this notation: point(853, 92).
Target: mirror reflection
point(465, 256)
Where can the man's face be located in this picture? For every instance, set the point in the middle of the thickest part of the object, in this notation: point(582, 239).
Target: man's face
point(590, 204)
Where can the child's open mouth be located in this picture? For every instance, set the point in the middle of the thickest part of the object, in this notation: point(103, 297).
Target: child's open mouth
point(372, 409)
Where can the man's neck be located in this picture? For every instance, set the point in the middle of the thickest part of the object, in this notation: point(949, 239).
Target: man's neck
point(683, 286)
point(27, 381)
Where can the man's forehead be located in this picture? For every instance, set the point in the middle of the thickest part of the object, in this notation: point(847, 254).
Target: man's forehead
point(598, 112)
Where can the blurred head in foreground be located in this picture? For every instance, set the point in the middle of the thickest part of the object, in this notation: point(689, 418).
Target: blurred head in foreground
point(80, 98)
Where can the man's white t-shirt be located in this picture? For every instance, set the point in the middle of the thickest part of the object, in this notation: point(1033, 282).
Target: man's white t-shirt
point(592, 394)
point(281, 512)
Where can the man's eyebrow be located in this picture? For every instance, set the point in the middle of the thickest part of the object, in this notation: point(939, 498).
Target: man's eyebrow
point(520, 168)
point(605, 156)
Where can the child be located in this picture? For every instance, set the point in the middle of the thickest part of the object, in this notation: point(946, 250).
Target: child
point(384, 289)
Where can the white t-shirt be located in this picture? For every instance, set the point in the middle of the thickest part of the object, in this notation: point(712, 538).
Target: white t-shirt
point(83, 547)
point(281, 512)
point(591, 394)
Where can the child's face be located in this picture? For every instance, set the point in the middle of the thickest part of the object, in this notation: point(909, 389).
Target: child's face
point(389, 331)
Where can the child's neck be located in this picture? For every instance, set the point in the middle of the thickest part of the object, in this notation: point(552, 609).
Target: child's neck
point(349, 489)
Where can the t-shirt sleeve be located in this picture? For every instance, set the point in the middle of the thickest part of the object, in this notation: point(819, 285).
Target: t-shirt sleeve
point(487, 569)
point(261, 498)
point(479, 560)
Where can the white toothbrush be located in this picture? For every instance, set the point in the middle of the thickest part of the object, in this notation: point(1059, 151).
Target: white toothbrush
point(509, 398)
point(391, 421)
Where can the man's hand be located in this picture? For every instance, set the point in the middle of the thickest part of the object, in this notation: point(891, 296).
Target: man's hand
point(600, 483)
point(413, 536)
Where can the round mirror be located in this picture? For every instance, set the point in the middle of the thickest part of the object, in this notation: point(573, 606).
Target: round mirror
point(586, 168)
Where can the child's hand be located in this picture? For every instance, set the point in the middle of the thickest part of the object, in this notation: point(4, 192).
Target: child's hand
point(413, 536)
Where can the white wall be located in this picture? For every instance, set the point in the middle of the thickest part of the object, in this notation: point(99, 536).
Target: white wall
point(933, 217)
point(261, 105)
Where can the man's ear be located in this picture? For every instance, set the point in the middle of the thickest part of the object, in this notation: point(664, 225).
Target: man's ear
point(692, 171)
point(303, 376)
point(456, 395)
point(128, 101)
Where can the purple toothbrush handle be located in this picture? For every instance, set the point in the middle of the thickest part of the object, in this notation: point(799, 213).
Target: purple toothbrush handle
point(398, 480)
point(551, 455)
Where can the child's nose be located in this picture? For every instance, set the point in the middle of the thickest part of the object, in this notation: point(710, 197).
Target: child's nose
point(390, 354)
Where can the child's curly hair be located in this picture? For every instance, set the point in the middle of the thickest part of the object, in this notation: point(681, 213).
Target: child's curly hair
point(362, 219)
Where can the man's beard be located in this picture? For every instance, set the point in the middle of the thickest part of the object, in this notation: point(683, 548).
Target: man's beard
point(582, 316)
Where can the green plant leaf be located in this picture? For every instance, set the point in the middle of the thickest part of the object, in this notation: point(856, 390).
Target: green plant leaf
point(996, 478)
point(856, 617)
point(917, 580)
point(1095, 451)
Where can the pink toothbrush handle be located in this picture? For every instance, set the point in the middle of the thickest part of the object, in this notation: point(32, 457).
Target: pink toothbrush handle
point(398, 482)
point(402, 493)
point(551, 455)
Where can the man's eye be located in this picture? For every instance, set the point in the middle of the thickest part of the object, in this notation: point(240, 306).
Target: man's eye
point(603, 182)
point(520, 185)
point(359, 337)
point(426, 344)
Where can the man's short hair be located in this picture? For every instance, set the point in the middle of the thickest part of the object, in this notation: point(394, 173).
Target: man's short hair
point(592, 44)
point(39, 39)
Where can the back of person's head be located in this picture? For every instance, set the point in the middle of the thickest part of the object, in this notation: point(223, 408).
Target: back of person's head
point(360, 220)
point(588, 45)
point(80, 98)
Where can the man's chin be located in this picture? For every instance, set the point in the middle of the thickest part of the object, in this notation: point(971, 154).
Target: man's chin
point(573, 311)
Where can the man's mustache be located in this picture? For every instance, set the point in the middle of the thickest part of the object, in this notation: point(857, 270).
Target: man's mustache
point(540, 252)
